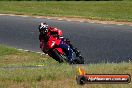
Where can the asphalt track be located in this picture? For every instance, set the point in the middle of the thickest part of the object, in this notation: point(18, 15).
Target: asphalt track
point(97, 42)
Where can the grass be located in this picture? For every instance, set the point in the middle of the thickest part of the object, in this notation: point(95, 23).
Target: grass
point(49, 73)
point(102, 10)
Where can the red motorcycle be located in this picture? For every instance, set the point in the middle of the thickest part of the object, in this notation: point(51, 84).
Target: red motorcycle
point(59, 54)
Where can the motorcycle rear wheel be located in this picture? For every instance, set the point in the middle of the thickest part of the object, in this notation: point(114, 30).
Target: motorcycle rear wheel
point(79, 60)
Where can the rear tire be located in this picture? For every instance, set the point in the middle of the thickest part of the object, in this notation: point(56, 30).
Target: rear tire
point(79, 60)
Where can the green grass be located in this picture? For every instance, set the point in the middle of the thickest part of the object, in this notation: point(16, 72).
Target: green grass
point(52, 74)
point(102, 10)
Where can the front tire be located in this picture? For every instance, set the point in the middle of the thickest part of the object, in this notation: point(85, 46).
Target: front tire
point(59, 57)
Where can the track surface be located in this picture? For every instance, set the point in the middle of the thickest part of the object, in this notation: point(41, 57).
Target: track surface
point(97, 42)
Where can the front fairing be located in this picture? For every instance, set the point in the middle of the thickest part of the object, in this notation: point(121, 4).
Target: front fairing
point(53, 41)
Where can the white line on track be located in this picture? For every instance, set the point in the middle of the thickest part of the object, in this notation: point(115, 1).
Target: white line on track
point(108, 26)
point(20, 49)
point(38, 17)
point(82, 21)
point(53, 18)
point(26, 50)
point(32, 51)
point(49, 18)
point(60, 19)
point(120, 24)
point(25, 16)
point(91, 22)
point(68, 20)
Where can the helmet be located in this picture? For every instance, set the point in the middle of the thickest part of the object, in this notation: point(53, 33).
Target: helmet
point(43, 27)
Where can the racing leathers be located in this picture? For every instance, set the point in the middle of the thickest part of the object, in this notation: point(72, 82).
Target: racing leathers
point(56, 33)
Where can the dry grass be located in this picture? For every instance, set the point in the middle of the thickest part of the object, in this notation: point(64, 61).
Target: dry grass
point(52, 74)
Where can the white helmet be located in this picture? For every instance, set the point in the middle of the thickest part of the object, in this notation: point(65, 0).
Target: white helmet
point(43, 27)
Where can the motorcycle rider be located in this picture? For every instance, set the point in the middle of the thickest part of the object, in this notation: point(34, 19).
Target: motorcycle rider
point(47, 31)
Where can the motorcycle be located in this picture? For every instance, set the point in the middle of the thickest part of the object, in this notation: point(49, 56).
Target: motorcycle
point(59, 54)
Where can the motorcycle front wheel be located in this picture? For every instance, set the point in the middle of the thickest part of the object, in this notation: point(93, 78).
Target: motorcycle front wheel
point(59, 57)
